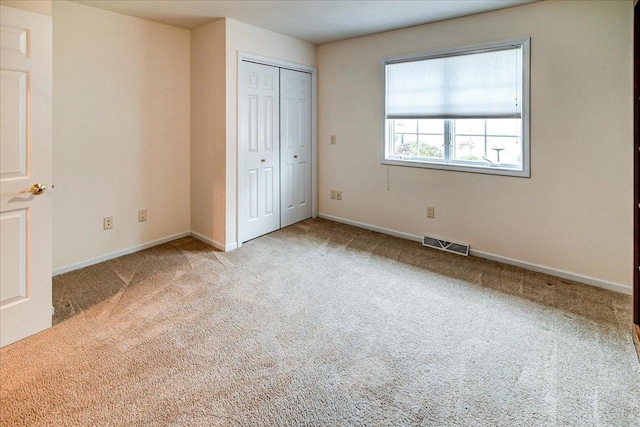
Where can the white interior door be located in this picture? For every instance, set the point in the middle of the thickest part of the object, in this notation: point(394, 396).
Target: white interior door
point(258, 150)
point(295, 146)
point(25, 159)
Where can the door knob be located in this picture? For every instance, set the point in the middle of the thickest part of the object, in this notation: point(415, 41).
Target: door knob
point(295, 157)
point(36, 189)
point(263, 160)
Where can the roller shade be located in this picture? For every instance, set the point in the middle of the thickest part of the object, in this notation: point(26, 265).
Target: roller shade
point(485, 84)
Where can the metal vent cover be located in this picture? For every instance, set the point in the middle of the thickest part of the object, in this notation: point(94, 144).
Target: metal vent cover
point(446, 245)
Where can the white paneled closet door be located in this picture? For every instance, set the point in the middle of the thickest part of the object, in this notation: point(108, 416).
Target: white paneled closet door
point(274, 149)
point(295, 146)
point(258, 150)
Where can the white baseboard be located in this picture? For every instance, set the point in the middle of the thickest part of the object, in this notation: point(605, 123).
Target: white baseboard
point(372, 227)
point(574, 277)
point(215, 244)
point(142, 247)
point(616, 287)
point(120, 253)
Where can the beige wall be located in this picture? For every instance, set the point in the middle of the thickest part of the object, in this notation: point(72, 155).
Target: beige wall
point(249, 39)
point(121, 131)
point(37, 6)
point(574, 213)
point(208, 131)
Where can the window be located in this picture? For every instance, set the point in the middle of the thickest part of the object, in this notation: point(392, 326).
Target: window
point(464, 109)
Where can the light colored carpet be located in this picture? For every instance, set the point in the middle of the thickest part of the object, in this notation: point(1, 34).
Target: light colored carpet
point(322, 324)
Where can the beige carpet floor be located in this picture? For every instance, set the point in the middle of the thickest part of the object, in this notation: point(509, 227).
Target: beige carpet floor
point(322, 324)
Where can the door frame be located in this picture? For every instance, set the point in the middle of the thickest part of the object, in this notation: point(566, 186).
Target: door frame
point(264, 60)
point(636, 182)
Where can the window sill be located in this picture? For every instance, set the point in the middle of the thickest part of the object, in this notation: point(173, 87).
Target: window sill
point(490, 170)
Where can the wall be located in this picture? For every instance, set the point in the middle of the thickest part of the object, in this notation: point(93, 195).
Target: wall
point(249, 39)
point(37, 6)
point(208, 120)
point(121, 131)
point(575, 212)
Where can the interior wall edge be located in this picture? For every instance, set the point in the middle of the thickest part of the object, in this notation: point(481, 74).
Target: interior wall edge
point(220, 246)
point(575, 277)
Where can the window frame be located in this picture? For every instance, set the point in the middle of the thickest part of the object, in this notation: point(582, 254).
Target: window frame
point(458, 165)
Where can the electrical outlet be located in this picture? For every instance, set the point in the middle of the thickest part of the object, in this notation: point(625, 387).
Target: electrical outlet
point(333, 194)
point(431, 213)
point(333, 140)
point(142, 215)
point(107, 222)
point(339, 195)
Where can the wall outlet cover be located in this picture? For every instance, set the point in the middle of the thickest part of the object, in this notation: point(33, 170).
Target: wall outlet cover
point(107, 223)
point(431, 212)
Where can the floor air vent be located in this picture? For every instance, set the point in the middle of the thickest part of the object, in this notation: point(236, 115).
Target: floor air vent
point(445, 245)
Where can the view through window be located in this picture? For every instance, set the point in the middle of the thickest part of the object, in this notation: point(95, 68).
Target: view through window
point(492, 142)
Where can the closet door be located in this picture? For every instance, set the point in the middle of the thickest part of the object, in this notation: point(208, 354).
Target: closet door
point(295, 146)
point(258, 150)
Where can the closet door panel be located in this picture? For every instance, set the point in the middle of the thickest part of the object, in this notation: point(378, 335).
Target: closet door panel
point(295, 154)
point(258, 150)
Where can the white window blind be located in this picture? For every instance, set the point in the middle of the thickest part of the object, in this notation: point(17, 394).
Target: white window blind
point(481, 84)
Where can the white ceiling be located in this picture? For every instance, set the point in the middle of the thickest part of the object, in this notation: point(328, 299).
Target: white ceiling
point(316, 21)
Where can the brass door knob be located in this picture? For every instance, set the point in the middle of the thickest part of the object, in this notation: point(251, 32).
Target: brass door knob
point(36, 189)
